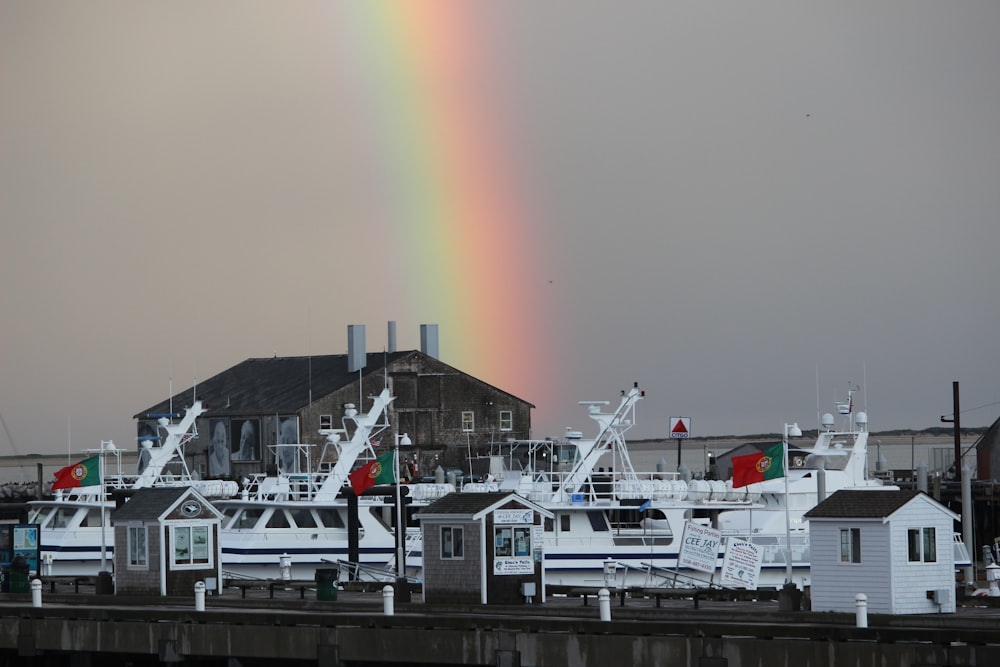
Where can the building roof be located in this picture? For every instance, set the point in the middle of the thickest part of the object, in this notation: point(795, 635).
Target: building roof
point(874, 504)
point(274, 384)
point(472, 504)
point(153, 503)
point(148, 503)
point(279, 385)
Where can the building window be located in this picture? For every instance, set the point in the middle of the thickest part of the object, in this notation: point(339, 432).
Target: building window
point(504, 545)
point(468, 421)
point(138, 549)
point(191, 546)
point(326, 422)
point(850, 545)
point(452, 543)
point(506, 420)
point(922, 545)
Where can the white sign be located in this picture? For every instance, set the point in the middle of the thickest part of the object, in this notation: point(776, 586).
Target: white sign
point(514, 516)
point(699, 547)
point(741, 565)
point(680, 427)
point(504, 566)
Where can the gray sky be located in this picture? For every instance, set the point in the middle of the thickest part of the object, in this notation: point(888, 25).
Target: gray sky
point(716, 200)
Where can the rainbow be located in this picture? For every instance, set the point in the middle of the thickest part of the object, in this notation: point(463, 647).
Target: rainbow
point(449, 197)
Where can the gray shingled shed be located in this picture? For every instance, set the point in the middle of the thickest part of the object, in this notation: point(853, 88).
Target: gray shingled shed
point(166, 539)
point(483, 547)
point(894, 546)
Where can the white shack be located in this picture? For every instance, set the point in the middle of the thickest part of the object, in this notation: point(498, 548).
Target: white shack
point(893, 546)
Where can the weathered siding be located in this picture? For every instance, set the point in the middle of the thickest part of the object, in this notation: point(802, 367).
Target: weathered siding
point(452, 580)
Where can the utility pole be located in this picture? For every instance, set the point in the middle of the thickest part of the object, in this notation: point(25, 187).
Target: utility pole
point(958, 431)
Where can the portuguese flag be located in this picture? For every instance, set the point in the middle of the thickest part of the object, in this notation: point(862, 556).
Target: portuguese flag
point(379, 471)
point(757, 467)
point(84, 473)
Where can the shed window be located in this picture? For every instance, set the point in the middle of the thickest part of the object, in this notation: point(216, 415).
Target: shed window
point(468, 421)
point(850, 545)
point(138, 549)
point(922, 545)
point(452, 543)
point(325, 422)
point(506, 420)
point(191, 546)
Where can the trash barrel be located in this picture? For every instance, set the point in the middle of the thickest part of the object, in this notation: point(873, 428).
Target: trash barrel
point(326, 584)
point(19, 572)
point(105, 585)
point(4, 577)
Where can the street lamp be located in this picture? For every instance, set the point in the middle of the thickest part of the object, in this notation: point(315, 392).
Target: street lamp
point(790, 431)
point(404, 440)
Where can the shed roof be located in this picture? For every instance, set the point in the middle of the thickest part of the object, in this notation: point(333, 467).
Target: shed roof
point(153, 503)
point(474, 504)
point(867, 504)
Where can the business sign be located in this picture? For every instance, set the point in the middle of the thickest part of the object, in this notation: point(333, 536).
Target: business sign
point(741, 565)
point(514, 516)
point(699, 547)
point(680, 427)
point(505, 566)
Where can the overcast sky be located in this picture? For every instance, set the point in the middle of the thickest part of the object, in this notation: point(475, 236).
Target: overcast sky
point(721, 201)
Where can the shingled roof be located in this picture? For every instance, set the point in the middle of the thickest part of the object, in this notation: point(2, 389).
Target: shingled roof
point(148, 503)
point(470, 504)
point(856, 504)
point(275, 384)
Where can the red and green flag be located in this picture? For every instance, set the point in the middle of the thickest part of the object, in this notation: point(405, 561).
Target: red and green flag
point(84, 473)
point(379, 471)
point(759, 466)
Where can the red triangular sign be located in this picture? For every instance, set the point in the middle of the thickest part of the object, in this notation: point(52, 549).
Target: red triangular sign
point(679, 427)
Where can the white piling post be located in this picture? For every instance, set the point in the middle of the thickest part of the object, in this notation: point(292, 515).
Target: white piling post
point(604, 602)
point(285, 567)
point(36, 592)
point(993, 576)
point(387, 600)
point(47, 564)
point(199, 596)
point(861, 610)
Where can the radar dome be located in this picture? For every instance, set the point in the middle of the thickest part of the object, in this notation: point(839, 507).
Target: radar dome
point(827, 420)
point(861, 419)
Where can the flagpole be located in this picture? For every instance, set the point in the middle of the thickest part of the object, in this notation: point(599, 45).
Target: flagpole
point(100, 504)
point(794, 431)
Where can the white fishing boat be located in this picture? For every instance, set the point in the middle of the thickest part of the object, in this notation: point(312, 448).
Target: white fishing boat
point(76, 536)
point(303, 521)
point(616, 524)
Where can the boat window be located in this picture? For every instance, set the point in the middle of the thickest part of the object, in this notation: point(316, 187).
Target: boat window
point(564, 523)
point(93, 518)
point(40, 515)
point(330, 518)
point(62, 517)
point(247, 519)
point(303, 518)
point(550, 525)
point(278, 520)
point(598, 521)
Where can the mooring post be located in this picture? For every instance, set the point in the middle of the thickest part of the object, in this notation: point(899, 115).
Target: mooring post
point(861, 610)
point(199, 596)
point(388, 600)
point(604, 602)
point(36, 592)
